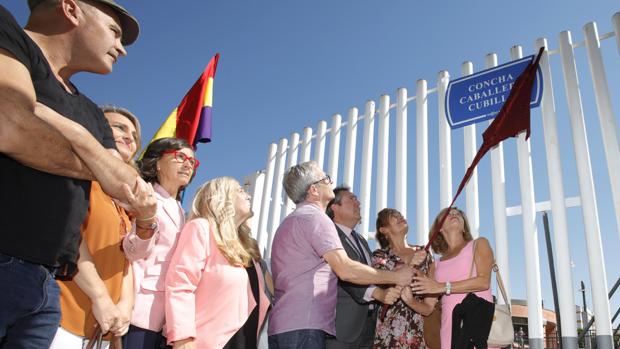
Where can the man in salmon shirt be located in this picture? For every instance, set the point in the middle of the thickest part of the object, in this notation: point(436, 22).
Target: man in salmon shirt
point(307, 259)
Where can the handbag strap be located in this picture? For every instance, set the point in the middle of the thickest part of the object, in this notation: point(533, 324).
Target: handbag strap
point(495, 268)
point(95, 340)
point(500, 284)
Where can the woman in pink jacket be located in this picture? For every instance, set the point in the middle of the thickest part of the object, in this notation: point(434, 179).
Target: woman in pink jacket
point(214, 288)
point(168, 164)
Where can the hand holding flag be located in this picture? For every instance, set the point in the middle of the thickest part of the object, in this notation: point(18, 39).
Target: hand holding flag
point(513, 118)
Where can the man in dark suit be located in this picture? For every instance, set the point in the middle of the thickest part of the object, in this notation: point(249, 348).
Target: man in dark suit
point(357, 305)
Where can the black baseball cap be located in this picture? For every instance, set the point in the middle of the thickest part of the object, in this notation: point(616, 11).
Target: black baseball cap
point(129, 23)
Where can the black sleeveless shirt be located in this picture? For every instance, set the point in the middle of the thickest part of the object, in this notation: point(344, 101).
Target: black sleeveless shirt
point(40, 213)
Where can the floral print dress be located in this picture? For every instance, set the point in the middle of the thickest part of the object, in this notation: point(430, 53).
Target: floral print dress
point(398, 326)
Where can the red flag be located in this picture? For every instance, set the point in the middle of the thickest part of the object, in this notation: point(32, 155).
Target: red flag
point(194, 112)
point(512, 119)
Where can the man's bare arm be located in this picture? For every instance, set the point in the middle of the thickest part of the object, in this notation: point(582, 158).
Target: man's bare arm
point(65, 148)
point(362, 274)
point(110, 171)
point(23, 136)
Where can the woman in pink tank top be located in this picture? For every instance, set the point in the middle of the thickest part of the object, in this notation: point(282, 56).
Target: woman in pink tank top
point(452, 271)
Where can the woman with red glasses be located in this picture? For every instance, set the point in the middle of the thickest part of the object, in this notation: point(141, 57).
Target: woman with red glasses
point(169, 165)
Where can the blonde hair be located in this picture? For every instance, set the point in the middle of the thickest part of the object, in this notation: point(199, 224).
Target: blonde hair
point(214, 201)
point(440, 245)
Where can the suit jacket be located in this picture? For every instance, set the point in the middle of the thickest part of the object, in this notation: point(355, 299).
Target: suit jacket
point(207, 298)
point(351, 308)
point(150, 264)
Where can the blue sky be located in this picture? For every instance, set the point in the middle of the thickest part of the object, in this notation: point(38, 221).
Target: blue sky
point(286, 65)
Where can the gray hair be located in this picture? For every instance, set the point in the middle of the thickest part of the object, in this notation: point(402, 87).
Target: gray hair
point(298, 179)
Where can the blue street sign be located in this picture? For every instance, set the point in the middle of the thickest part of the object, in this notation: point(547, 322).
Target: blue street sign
point(478, 97)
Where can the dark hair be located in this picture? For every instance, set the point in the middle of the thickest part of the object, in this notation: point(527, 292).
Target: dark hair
point(383, 220)
point(147, 165)
point(338, 193)
point(440, 245)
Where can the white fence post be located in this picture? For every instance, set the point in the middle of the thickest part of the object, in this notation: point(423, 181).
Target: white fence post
point(566, 296)
point(596, 262)
point(334, 147)
point(349, 152)
point(605, 113)
point(421, 109)
point(253, 184)
point(319, 151)
point(276, 198)
point(306, 145)
point(266, 201)
point(616, 21)
point(367, 147)
point(445, 143)
point(470, 150)
point(291, 160)
point(498, 182)
point(530, 234)
point(382, 153)
point(400, 190)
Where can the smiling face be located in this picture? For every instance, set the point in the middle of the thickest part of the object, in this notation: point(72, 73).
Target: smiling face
point(124, 133)
point(98, 39)
point(174, 169)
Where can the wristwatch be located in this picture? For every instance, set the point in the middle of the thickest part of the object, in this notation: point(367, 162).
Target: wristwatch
point(448, 287)
point(150, 227)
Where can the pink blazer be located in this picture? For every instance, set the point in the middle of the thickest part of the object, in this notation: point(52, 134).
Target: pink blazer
point(150, 264)
point(207, 298)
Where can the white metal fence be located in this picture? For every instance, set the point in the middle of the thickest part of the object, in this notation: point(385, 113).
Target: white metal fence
point(271, 205)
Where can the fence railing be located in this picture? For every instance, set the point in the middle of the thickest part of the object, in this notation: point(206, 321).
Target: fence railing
point(373, 174)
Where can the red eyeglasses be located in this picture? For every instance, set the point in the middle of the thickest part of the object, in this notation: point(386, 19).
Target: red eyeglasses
point(181, 157)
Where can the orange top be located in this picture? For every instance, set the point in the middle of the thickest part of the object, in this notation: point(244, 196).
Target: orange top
point(103, 230)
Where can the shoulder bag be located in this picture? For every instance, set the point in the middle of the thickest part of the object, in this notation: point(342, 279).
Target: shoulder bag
point(502, 332)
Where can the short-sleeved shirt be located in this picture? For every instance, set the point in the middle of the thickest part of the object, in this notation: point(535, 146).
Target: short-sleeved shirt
point(41, 213)
point(306, 288)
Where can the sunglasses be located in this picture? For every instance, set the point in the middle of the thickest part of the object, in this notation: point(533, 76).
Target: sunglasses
point(181, 157)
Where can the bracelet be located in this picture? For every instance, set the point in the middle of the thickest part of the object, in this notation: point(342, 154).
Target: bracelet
point(448, 287)
point(146, 219)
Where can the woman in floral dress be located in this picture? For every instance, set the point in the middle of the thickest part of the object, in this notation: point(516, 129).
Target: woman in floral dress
point(400, 325)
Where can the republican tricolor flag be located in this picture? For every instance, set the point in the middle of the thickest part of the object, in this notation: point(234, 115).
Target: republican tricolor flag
point(191, 120)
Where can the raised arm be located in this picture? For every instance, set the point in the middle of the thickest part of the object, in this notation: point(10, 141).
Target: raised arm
point(358, 273)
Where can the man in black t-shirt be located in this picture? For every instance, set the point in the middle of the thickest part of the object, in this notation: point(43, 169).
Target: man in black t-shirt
point(53, 142)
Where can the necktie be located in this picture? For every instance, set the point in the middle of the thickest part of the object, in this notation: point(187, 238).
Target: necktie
point(359, 246)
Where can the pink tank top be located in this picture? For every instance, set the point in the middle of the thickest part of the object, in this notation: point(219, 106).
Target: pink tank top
point(455, 269)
